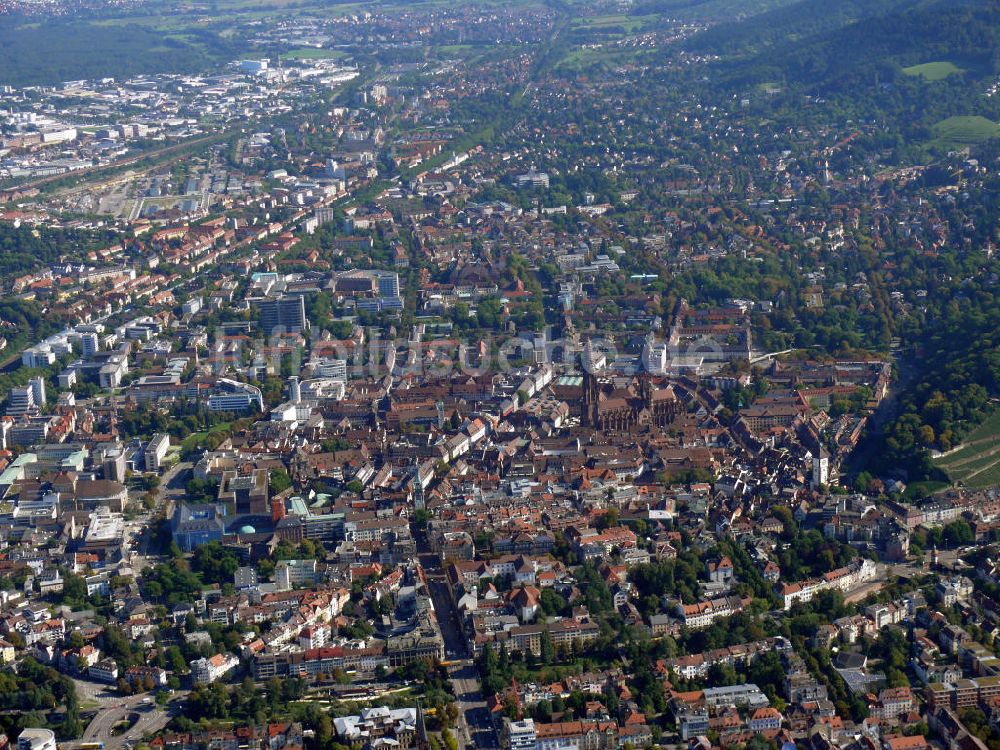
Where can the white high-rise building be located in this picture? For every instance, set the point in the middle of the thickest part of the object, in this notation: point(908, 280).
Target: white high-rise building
point(40, 355)
point(38, 390)
point(156, 451)
point(90, 344)
point(325, 215)
point(654, 356)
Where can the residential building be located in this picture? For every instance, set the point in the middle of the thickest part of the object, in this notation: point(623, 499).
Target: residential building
point(156, 451)
point(206, 670)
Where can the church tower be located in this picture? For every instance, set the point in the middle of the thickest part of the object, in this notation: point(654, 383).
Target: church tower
point(588, 416)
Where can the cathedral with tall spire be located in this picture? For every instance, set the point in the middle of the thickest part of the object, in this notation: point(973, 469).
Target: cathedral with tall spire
point(642, 403)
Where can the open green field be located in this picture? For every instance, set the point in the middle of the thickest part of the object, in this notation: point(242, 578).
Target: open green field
point(934, 71)
point(964, 130)
point(456, 49)
point(583, 57)
point(631, 24)
point(977, 463)
point(313, 53)
point(327, 9)
point(221, 13)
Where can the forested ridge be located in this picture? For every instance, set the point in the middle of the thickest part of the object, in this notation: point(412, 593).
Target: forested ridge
point(892, 25)
point(856, 51)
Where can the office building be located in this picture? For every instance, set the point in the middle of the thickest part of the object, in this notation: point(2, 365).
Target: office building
point(286, 313)
point(245, 492)
point(245, 578)
point(194, 525)
point(334, 369)
point(231, 395)
point(21, 401)
point(388, 283)
point(253, 67)
point(291, 573)
point(519, 735)
point(532, 179)
point(326, 215)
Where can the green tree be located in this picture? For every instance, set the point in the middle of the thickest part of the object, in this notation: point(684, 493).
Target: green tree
point(547, 650)
point(279, 481)
point(74, 589)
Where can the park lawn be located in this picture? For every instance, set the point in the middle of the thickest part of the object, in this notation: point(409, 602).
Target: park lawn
point(716, 9)
point(964, 130)
point(192, 440)
point(610, 20)
point(937, 70)
point(472, 54)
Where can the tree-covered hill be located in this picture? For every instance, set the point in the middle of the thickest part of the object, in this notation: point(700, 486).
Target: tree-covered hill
point(830, 46)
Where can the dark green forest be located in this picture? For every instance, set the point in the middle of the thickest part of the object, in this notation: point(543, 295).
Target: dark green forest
point(24, 248)
point(55, 51)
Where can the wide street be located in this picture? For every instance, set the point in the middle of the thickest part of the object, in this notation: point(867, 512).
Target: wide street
point(475, 729)
point(474, 716)
point(171, 490)
point(115, 708)
point(151, 718)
